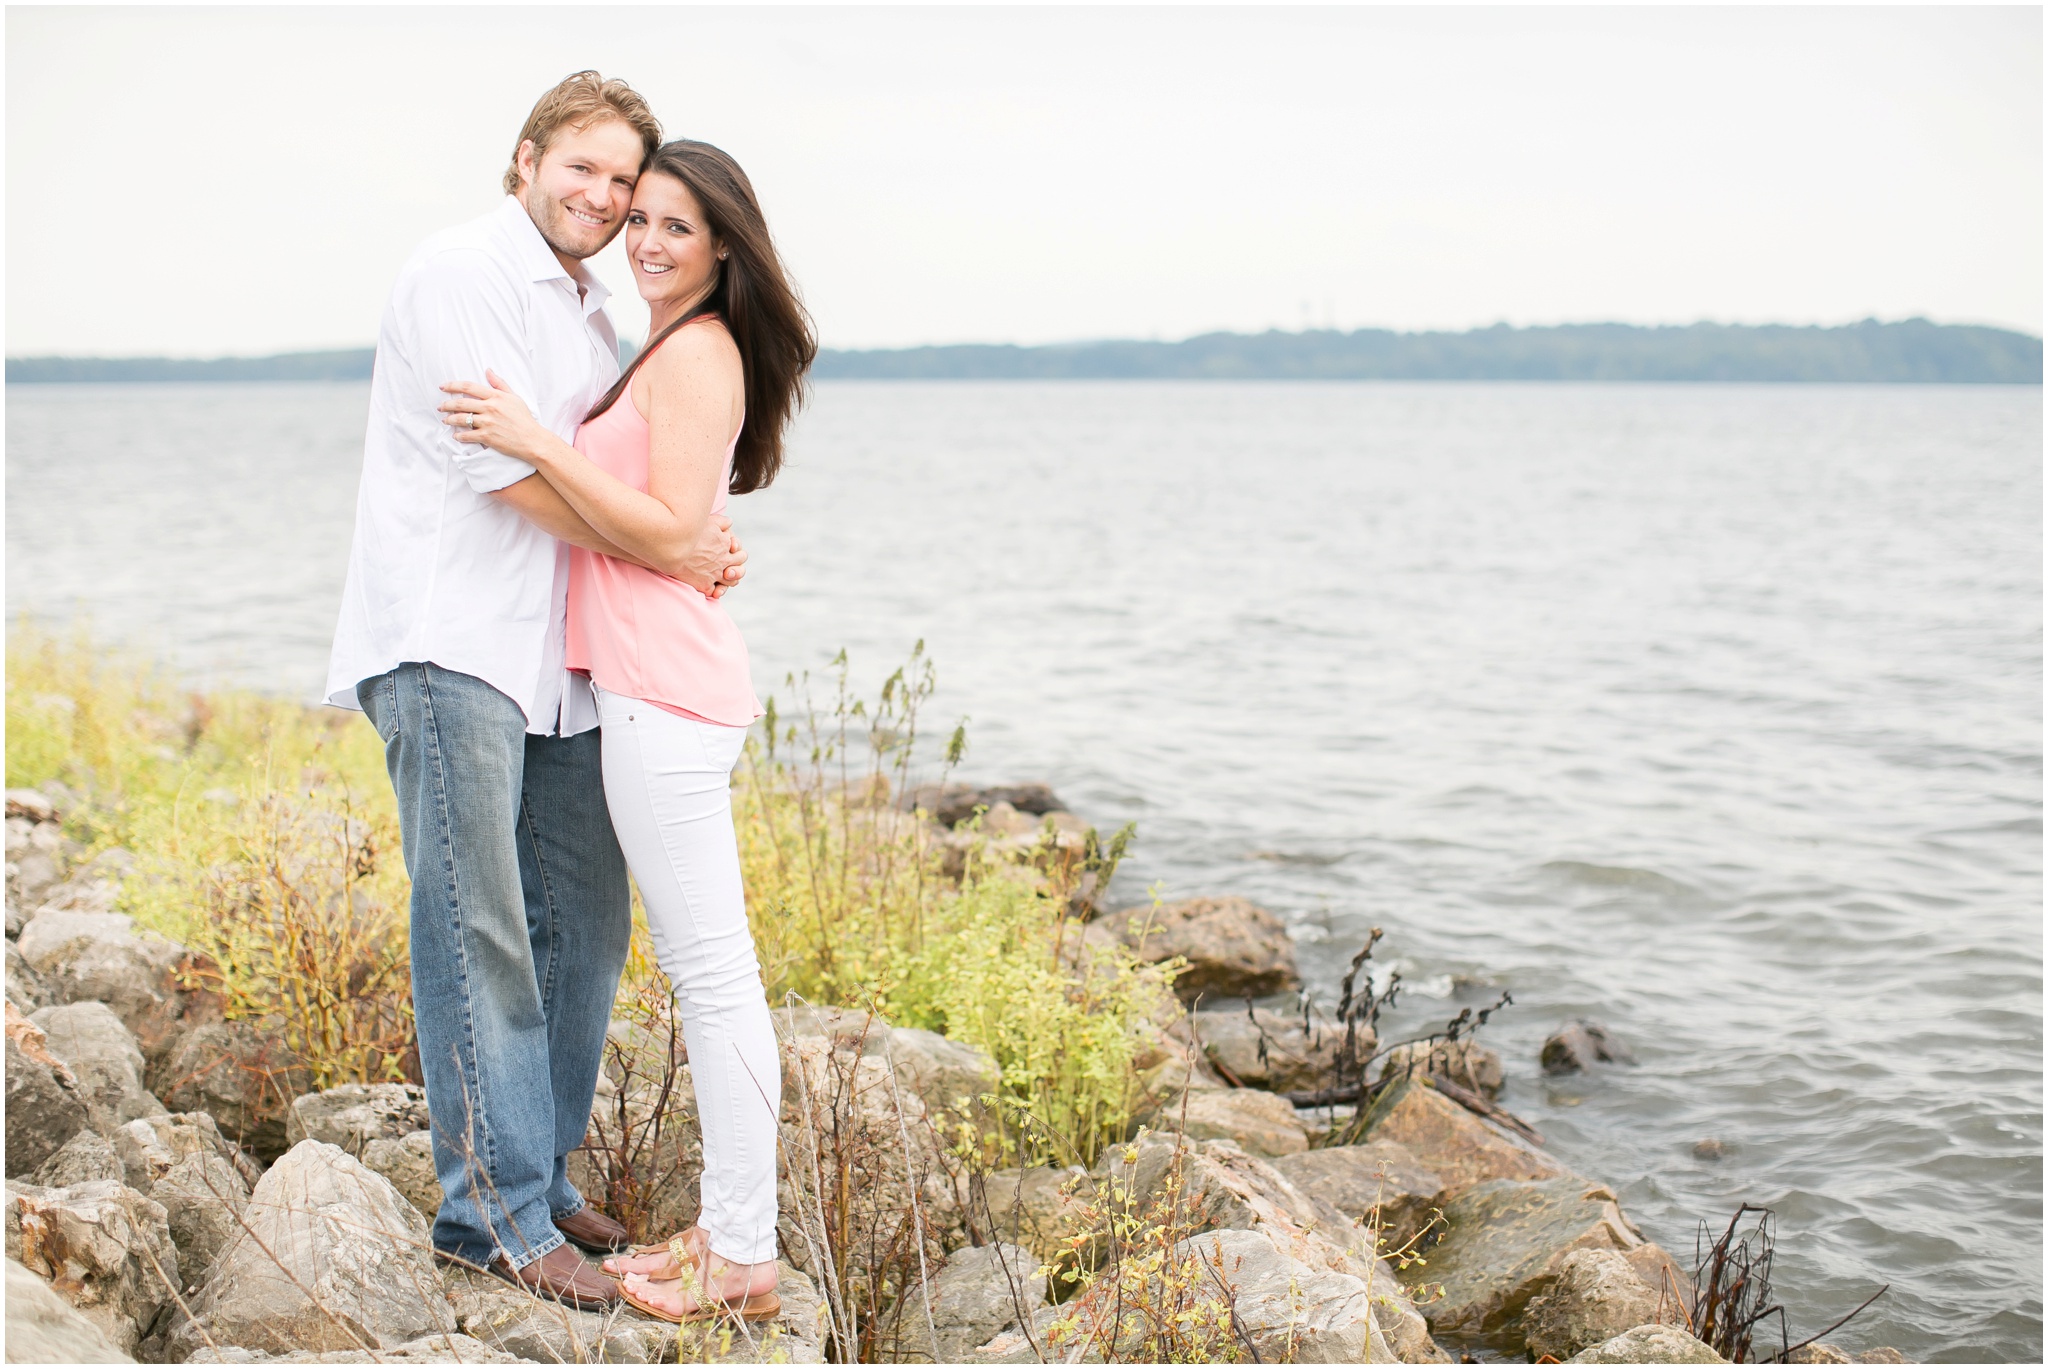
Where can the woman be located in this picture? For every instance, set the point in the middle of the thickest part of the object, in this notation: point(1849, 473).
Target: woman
point(699, 414)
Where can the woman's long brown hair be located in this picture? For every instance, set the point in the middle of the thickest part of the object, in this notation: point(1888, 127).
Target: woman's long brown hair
point(753, 298)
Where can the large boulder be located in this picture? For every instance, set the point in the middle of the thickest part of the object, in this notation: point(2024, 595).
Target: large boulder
point(1263, 1123)
point(425, 1350)
point(1463, 1148)
point(42, 1328)
point(514, 1322)
point(1264, 1049)
point(104, 1248)
point(353, 1115)
point(333, 1260)
point(86, 1158)
point(408, 1162)
point(1377, 1183)
point(950, 1076)
point(1505, 1243)
point(1464, 1063)
point(43, 1107)
point(104, 1059)
point(1595, 1296)
point(1581, 1045)
point(88, 954)
point(238, 1072)
point(1649, 1345)
point(1043, 1209)
point(201, 1181)
point(981, 1292)
point(1233, 948)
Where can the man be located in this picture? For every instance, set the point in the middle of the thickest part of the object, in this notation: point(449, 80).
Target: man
point(451, 639)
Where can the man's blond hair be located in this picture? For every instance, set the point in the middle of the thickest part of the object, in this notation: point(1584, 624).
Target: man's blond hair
point(578, 102)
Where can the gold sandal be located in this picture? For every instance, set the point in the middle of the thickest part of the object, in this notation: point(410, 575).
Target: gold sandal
point(753, 1307)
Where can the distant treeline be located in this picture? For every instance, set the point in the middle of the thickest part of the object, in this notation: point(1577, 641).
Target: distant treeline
point(1915, 351)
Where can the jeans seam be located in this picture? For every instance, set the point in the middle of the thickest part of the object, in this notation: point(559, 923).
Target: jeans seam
point(472, 1076)
point(547, 895)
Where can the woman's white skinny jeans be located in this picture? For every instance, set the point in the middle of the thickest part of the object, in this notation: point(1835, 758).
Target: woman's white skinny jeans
point(668, 782)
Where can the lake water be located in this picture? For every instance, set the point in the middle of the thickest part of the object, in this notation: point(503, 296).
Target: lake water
point(1711, 712)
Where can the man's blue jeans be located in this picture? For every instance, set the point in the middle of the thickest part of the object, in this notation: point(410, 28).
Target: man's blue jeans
point(520, 923)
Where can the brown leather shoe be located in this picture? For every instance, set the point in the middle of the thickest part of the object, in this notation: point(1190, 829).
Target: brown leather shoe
point(562, 1275)
point(592, 1230)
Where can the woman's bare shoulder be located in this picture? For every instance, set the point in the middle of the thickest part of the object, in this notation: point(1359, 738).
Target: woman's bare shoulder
point(693, 346)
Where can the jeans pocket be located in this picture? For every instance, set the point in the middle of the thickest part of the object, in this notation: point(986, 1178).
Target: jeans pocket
point(379, 697)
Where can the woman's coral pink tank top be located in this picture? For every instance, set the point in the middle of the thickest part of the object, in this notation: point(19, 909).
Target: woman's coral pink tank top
point(641, 634)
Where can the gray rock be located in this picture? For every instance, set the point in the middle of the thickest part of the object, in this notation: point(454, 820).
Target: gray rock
point(1595, 1296)
point(25, 987)
point(1504, 1245)
point(1462, 1147)
point(426, 1350)
point(1649, 1345)
point(353, 1115)
point(238, 1073)
point(1377, 1182)
point(30, 877)
point(1466, 1063)
point(796, 1335)
point(184, 1164)
point(949, 1076)
point(87, 954)
point(955, 803)
point(1233, 948)
point(104, 1247)
point(1292, 1059)
point(334, 1260)
point(1263, 1123)
point(103, 1058)
point(86, 1158)
point(982, 1292)
point(1042, 1209)
point(42, 1328)
point(408, 1162)
point(1580, 1046)
point(1293, 1311)
point(43, 1107)
point(31, 805)
point(517, 1323)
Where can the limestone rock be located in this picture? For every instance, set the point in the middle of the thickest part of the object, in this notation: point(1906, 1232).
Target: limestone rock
point(1042, 1209)
point(1292, 1059)
point(42, 1328)
point(1263, 1123)
point(86, 1158)
point(43, 1107)
point(238, 1073)
point(334, 1259)
point(104, 1247)
point(949, 1076)
point(103, 1058)
point(955, 803)
point(426, 1350)
point(1466, 1063)
point(353, 1115)
point(1595, 1296)
point(1580, 1046)
point(1820, 1352)
point(408, 1162)
point(1505, 1243)
point(517, 1323)
point(1377, 1177)
point(201, 1181)
point(1233, 948)
point(30, 877)
point(30, 804)
point(1649, 1345)
point(25, 987)
point(1463, 1148)
point(87, 954)
point(980, 1293)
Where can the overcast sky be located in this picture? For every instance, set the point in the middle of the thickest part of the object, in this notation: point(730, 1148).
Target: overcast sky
point(206, 182)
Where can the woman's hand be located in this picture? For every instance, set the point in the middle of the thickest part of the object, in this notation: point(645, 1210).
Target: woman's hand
point(493, 416)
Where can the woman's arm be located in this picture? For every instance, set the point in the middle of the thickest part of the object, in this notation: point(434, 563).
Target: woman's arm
point(693, 392)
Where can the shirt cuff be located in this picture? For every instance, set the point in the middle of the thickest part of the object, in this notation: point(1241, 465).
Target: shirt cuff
point(486, 470)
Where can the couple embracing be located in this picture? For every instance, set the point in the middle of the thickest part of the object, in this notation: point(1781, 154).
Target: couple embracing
point(533, 622)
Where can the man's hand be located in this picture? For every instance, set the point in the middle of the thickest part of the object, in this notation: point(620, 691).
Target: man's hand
point(718, 560)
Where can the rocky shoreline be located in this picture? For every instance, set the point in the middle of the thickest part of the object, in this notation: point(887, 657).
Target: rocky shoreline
point(177, 1194)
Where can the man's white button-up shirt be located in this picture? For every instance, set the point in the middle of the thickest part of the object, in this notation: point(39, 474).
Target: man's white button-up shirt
point(440, 570)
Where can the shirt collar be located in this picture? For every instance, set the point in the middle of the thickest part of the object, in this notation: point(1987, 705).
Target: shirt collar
point(540, 260)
